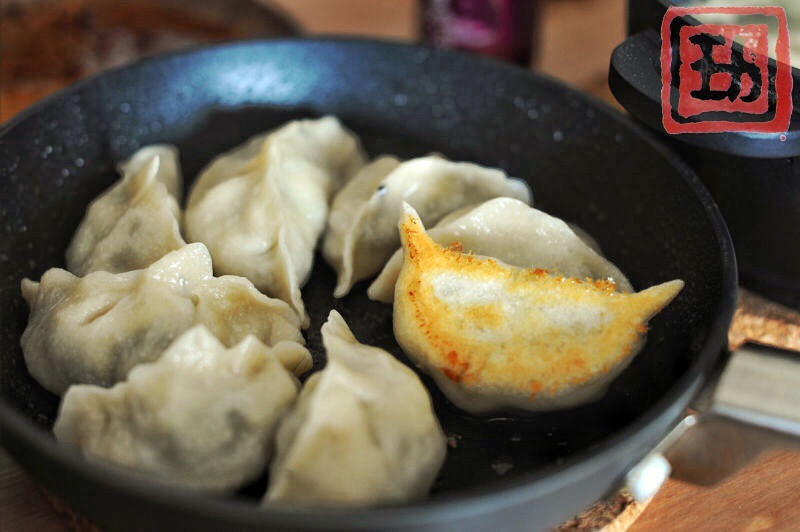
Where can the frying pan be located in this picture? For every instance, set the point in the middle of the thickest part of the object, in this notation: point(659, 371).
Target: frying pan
point(584, 162)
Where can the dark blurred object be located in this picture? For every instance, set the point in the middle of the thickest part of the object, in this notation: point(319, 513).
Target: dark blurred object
point(46, 44)
point(754, 178)
point(501, 28)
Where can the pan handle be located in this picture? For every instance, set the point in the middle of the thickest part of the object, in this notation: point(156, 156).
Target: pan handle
point(751, 404)
point(634, 78)
point(754, 406)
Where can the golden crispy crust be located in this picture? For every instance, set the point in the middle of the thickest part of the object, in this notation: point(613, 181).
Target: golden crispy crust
point(526, 333)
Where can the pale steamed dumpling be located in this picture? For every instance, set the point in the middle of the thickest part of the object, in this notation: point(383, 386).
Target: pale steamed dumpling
point(362, 433)
point(260, 208)
point(362, 228)
point(136, 221)
point(495, 336)
point(519, 235)
point(93, 330)
point(201, 416)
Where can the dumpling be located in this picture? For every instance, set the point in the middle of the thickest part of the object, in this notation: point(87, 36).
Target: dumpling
point(495, 336)
point(362, 228)
point(136, 221)
point(261, 207)
point(519, 235)
point(201, 416)
point(362, 433)
point(341, 237)
point(93, 330)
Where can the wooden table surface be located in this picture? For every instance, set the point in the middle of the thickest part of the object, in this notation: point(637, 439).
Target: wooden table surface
point(577, 38)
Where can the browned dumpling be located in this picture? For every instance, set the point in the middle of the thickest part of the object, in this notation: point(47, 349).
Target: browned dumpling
point(496, 336)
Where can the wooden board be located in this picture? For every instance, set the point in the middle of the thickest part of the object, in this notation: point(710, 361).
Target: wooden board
point(763, 496)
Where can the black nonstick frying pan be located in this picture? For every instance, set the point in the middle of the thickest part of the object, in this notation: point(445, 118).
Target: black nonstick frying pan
point(584, 162)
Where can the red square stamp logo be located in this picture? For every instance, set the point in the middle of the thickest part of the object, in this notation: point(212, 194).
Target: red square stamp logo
point(707, 87)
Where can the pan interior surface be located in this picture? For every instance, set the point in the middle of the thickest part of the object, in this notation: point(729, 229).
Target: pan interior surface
point(584, 163)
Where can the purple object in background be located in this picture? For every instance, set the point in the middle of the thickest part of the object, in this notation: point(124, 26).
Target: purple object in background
point(500, 28)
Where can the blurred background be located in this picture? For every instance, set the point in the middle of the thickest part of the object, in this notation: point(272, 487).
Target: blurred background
point(46, 44)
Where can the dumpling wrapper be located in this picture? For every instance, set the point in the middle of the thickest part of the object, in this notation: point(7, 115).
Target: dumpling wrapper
point(202, 416)
point(93, 330)
point(136, 221)
point(362, 228)
point(517, 234)
point(169, 168)
point(362, 433)
point(260, 208)
point(495, 336)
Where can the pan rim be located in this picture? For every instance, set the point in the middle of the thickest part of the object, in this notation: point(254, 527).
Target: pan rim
point(496, 495)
